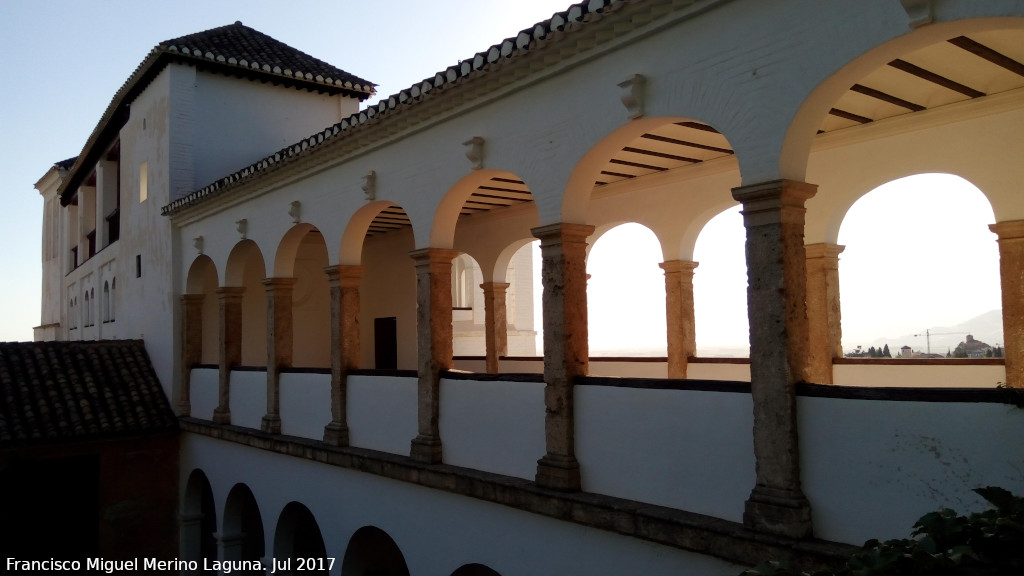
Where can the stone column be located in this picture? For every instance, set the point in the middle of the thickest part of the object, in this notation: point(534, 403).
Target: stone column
point(824, 321)
point(679, 319)
point(191, 534)
point(229, 300)
point(345, 349)
point(1011, 274)
point(495, 323)
point(773, 214)
point(191, 347)
point(566, 352)
point(279, 346)
point(434, 344)
point(230, 545)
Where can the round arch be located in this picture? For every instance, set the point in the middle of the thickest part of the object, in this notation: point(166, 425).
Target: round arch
point(288, 249)
point(372, 551)
point(202, 280)
point(298, 535)
point(351, 253)
point(198, 540)
point(474, 570)
point(446, 216)
point(796, 144)
point(244, 524)
point(245, 253)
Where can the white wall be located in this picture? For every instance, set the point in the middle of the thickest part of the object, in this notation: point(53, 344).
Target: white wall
point(683, 449)
point(493, 426)
point(305, 404)
point(248, 398)
point(382, 413)
point(204, 392)
point(871, 468)
point(922, 376)
point(436, 531)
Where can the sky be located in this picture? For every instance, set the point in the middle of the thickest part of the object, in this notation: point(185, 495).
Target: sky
point(63, 60)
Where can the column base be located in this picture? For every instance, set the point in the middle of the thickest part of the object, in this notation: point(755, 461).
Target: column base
point(221, 415)
point(775, 511)
point(271, 424)
point(558, 472)
point(426, 449)
point(336, 434)
point(183, 408)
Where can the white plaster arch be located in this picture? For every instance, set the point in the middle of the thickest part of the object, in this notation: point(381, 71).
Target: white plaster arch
point(795, 146)
point(195, 280)
point(446, 216)
point(244, 254)
point(288, 249)
point(504, 258)
point(351, 252)
point(293, 533)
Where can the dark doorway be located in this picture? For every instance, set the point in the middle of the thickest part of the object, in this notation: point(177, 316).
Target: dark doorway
point(385, 343)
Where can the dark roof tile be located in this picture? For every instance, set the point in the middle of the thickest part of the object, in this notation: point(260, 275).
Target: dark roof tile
point(53, 391)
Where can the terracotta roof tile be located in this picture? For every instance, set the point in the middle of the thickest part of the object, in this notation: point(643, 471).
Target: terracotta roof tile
point(239, 45)
point(51, 391)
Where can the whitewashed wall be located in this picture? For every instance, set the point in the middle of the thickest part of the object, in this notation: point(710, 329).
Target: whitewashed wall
point(493, 426)
point(305, 404)
point(870, 468)
point(382, 412)
point(920, 376)
point(436, 531)
point(684, 449)
point(203, 392)
point(248, 398)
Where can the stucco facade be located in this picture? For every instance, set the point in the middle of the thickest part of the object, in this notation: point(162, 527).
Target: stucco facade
point(298, 297)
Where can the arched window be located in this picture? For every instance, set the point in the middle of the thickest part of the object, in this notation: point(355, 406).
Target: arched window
point(105, 303)
point(86, 319)
point(110, 309)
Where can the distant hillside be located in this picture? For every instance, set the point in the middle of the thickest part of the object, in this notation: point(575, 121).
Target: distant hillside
point(987, 327)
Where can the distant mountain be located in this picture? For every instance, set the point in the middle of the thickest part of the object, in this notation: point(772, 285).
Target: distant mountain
point(987, 327)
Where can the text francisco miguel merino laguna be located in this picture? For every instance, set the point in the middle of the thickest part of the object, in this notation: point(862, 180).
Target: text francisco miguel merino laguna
point(152, 564)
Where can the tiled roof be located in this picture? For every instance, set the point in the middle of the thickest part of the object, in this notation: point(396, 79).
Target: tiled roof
point(65, 164)
point(53, 391)
point(239, 45)
point(233, 49)
point(561, 23)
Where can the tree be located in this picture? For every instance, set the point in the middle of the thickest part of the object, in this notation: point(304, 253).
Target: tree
point(885, 352)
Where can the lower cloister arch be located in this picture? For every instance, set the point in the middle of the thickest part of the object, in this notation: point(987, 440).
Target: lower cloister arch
point(199, 520)
point(372, 551)
point(474, 570)
point(297, 537)
point(242, 537)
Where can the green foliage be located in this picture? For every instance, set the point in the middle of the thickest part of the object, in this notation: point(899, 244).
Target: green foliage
point(943, 543)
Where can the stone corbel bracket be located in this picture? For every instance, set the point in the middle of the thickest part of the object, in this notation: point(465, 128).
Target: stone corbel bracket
point(295, 211)
point(475, 153)
point(243, 227)
point(197, 242)
point(920, 12)
point(634, 93)
point(369, 186)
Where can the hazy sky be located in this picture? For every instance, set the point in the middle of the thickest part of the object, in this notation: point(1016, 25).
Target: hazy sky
point(906, 267)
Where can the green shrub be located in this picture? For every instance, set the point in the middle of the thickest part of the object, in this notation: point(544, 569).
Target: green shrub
point(943, 543)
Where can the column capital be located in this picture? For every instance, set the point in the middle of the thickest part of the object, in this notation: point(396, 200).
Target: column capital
point(775, 193)
point(277, 283)
point(427, 256)
point(492, 286)
point(230, 292)
point(676, 266)
point(344, 275)
point(192, 298)
point(1008, 229)
point(823, 250)
point(563, 231)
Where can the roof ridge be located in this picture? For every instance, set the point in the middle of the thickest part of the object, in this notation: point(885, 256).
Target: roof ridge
point(533, 37)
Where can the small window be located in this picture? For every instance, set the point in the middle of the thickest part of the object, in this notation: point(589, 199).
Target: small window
point(105, 303)
point(86, 318)
point(113, 292)
point(143, 181)
point(138, 265)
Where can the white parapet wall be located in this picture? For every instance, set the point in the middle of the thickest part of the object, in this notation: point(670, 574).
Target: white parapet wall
point(305, 404)
point(203, 392)
point(951, 375)
point(871, 468)
point(248, 397)
point(382, 413)
point(686, 449)
point(494, 426)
